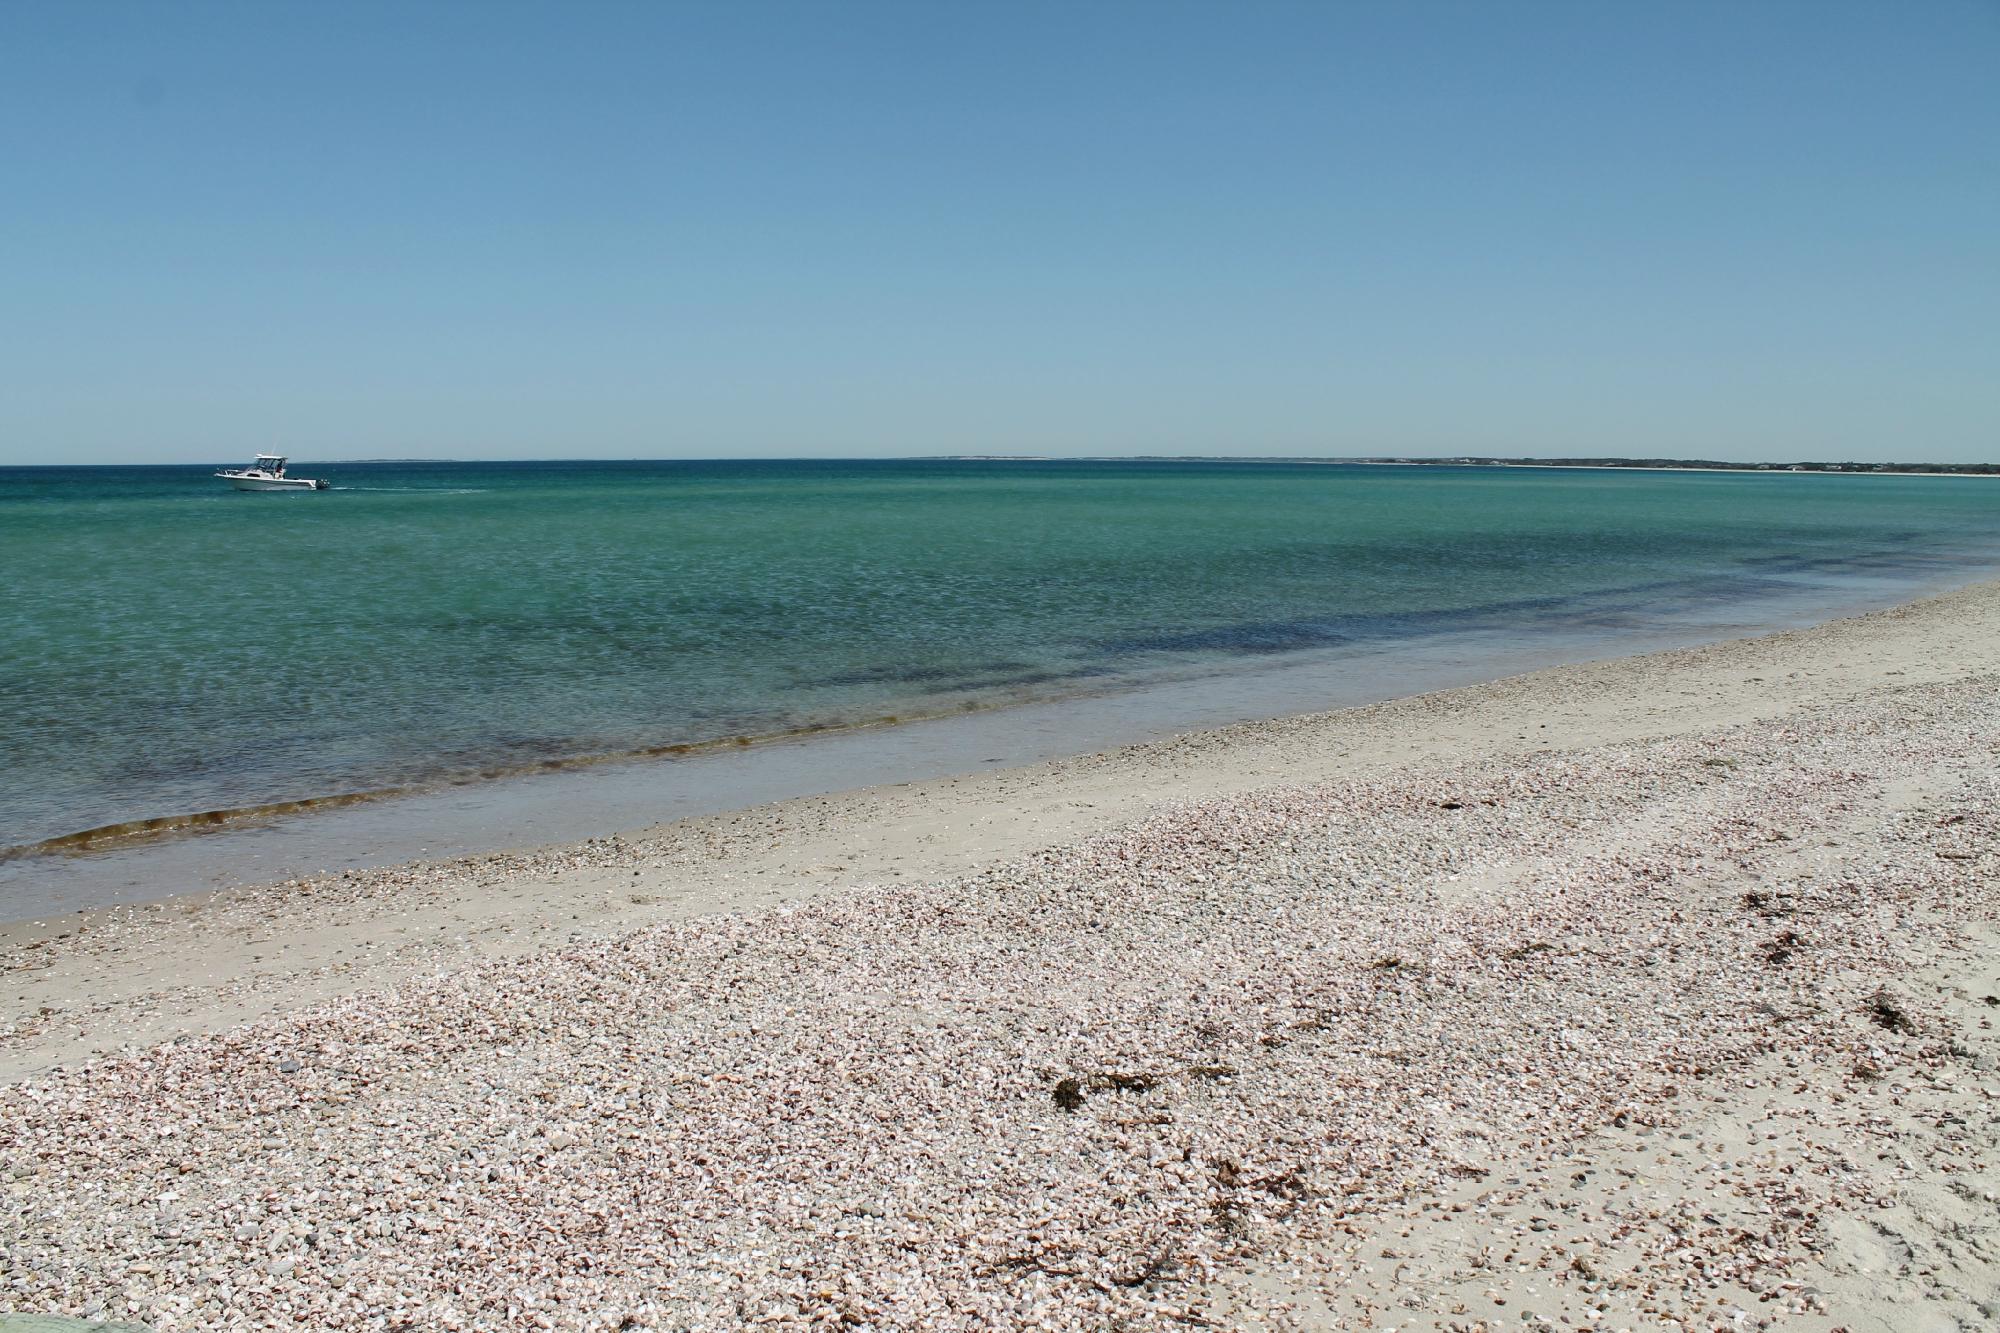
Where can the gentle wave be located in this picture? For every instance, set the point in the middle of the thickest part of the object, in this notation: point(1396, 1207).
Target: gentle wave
point(133, 832)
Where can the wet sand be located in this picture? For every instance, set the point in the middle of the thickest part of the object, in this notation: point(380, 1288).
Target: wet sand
point(1656, 985)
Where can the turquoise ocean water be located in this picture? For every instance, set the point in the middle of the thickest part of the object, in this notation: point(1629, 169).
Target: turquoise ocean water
point(170, 647)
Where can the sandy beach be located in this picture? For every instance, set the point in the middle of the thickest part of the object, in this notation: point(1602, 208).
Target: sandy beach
point(1648, 993)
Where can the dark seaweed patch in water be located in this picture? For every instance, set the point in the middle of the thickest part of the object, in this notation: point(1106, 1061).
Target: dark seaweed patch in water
point(1285, 636)
point(1278, 636)
point(1036, 677)
point(980, 676)
point(907, 675)
point(1611, 608)
point(1867, 562)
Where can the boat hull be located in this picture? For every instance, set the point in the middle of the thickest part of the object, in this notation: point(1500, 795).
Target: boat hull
point(272, 484)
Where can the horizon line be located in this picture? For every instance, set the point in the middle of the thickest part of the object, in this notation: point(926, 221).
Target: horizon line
point(1574, 460)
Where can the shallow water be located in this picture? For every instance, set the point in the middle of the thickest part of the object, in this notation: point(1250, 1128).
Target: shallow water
point(170, 647)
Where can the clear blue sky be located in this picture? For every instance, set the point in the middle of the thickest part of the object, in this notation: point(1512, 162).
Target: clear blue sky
point(491, 230)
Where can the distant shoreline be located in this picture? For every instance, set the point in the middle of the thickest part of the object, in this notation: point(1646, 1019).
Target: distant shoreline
point(1704, 465)
point(1605, 464)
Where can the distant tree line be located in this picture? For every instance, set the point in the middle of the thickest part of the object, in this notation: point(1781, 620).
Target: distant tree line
point(1973, 469)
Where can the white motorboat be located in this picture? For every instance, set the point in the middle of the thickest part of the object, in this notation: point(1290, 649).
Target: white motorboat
point(268, 474)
